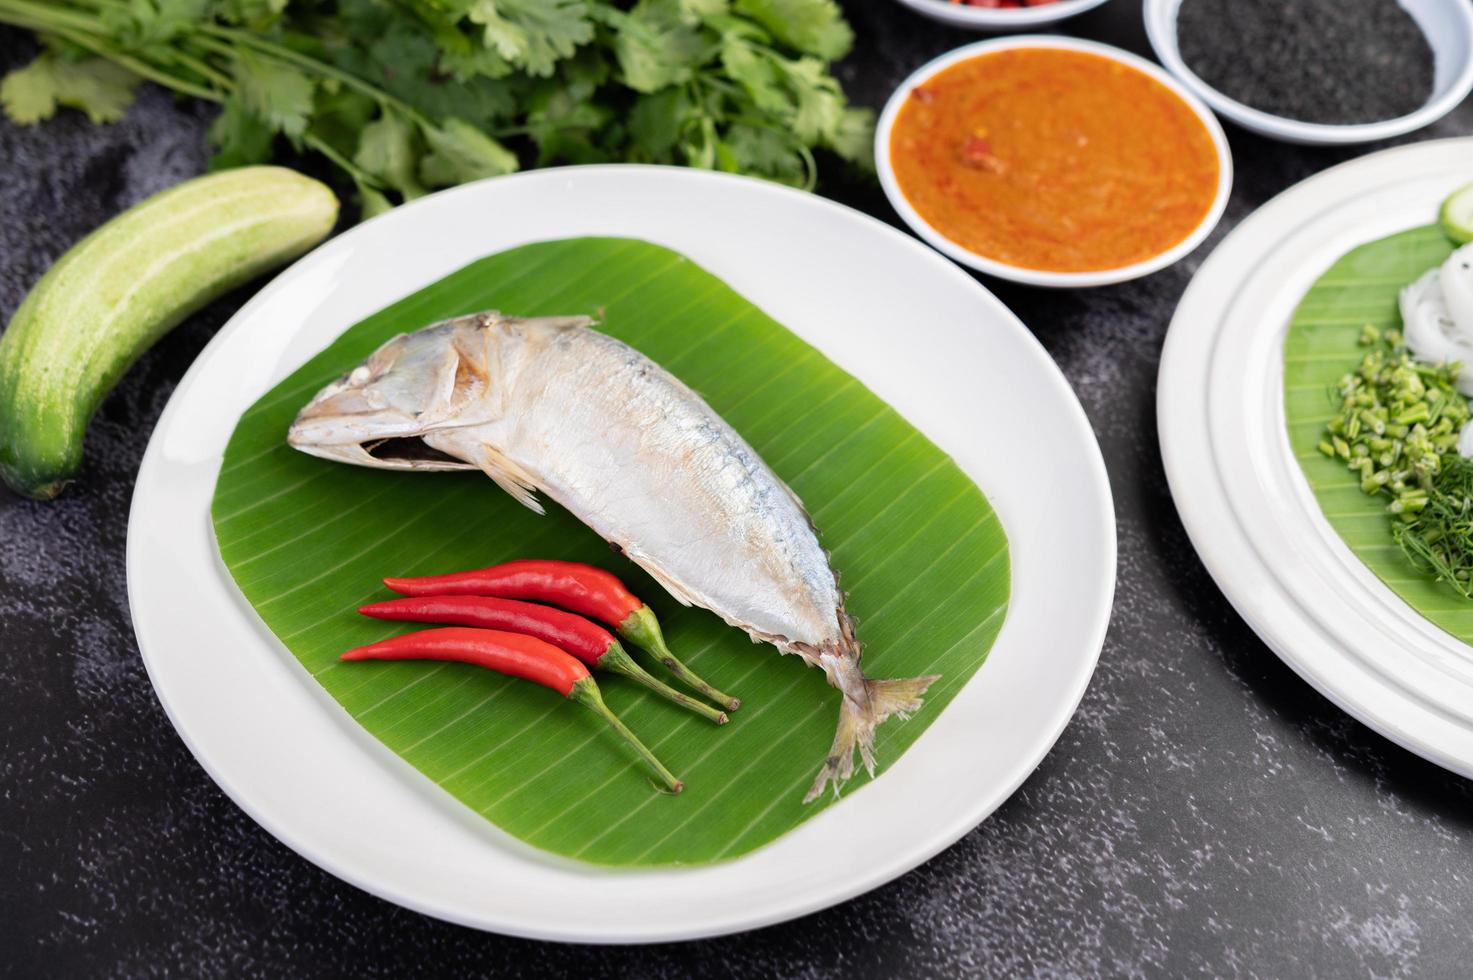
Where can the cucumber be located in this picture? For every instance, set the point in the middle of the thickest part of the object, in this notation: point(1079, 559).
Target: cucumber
point(117, 291)
point(1457, 215)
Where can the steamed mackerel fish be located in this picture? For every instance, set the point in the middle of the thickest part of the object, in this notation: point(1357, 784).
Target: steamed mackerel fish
point(551, 406)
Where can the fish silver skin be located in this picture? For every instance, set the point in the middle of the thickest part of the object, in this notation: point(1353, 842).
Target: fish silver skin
point(551, 406)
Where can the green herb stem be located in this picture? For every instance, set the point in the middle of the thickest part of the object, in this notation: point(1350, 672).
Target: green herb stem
point(308, 63)
point(560, 77)
point(24, 15)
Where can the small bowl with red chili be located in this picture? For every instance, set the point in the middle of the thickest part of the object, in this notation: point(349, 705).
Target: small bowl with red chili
point(1000, 15)
point(1053, 161)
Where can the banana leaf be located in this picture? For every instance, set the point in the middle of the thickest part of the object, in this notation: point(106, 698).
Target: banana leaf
point(924, 558)
point(1321, 347)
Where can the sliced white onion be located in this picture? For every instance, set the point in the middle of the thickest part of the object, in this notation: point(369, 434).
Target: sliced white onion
point(1430, 331)
point(1456, 279)
point(1465, 441)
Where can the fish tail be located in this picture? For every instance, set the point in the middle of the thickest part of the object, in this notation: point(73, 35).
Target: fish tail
point(857, 723)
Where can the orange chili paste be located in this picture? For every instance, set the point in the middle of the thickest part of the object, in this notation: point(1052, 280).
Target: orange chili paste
point(1054, 159)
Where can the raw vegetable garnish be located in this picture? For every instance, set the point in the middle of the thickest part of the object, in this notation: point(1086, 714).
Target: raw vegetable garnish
point(1398, 432)
point(569, 632)
point(516, 655)
point(1438, 537)
point(120, 289)
point(405, 96)
point(584, 589)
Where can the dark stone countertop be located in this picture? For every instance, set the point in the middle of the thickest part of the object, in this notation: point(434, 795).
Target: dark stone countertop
point(1205, 812)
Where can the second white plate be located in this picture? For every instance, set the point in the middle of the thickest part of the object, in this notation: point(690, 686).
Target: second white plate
point(1241, 494)
point(907, 323)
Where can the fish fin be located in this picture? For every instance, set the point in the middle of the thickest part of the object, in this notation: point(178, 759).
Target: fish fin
point(668, 583)
point(547, 322)
point(857, 723)
point(466, 444)
point(511, 478)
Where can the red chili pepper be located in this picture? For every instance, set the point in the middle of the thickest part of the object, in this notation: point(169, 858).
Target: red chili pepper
point(573, 634)
point(583, 589)
point(518, 656)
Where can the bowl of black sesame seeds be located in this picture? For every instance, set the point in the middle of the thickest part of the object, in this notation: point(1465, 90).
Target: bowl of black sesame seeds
point(1319, 71)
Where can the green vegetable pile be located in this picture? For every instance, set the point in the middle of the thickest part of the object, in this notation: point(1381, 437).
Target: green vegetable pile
point(1398, 431)
point(405, 96)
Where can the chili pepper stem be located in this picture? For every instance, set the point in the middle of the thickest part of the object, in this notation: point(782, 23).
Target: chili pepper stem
point(585, 692)
point(643, 630)
point(617, 660)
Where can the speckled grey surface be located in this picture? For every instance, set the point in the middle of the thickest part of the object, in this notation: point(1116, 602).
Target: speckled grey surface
point(1205, 813)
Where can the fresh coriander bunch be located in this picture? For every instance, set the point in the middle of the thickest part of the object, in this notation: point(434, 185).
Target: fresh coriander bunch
point(406, 96)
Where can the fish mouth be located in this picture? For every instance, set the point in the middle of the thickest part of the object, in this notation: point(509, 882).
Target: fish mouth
point(406, 452)
point(410, 449)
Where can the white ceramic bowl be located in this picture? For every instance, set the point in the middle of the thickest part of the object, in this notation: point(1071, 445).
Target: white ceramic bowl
point(1448, 25)
point(1039, 277)
point(1000, 19)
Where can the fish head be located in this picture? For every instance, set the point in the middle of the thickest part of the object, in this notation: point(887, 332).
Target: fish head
point(404, 406)
point(417, 383)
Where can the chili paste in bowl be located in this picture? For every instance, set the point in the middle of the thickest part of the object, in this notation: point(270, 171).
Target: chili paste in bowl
point(1053, 161)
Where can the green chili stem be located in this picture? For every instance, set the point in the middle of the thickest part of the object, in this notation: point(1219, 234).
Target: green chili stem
point(643, 630)
point(585, 692)
point(617, 660)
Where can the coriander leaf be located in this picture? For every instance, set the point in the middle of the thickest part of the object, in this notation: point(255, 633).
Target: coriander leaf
point(339, 114)
point(766, 153)
point(854, 137)
point(564, 118)
point(29, 93)
point(406, 60)
point(693, 11)
point(386, 150)
point(239, 136)
point(757, 73)
point(404, 50)
point(811, 26)
point(274, 91)
point(820, 101)
point(144, 23)
point(533, 34)
point(572, 148)
point(698, 143)
point(97, 87)
point(255, 14)
point(656, 122)
point(372, 203)
point(460, 152)
point(655, 48)
point(360, 19)
point(465, 64)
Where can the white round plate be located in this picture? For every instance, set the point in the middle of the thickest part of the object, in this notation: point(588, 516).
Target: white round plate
point(914, 328)
point(1241, 494)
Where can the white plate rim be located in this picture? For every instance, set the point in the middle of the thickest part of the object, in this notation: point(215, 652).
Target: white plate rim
point(1093, 624)
point(1330, 623)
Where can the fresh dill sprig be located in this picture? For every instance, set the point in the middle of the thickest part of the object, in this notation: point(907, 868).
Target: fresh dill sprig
point(1438, 538)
